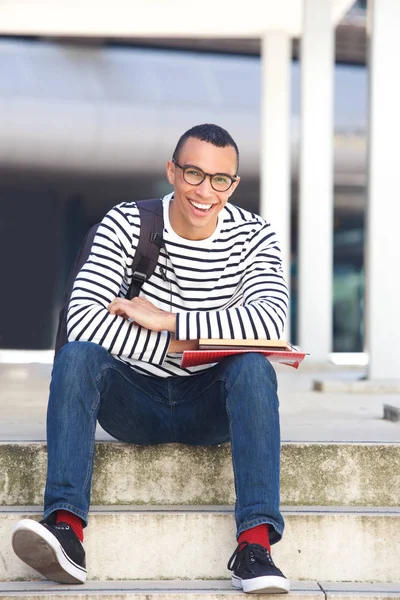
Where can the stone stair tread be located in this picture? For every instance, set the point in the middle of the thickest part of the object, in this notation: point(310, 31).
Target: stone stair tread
point(142, 585)
point(360, 587)
point(215, 509)
point(193, 589)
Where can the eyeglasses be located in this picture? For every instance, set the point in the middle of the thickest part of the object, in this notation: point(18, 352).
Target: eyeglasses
point(220, 182)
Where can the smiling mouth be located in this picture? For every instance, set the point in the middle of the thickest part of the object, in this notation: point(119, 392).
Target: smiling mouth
point(200, 206)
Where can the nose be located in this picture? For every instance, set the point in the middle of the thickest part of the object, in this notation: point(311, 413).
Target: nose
point(204, 189)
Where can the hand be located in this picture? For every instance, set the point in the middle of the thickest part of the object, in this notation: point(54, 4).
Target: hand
point(143, 313)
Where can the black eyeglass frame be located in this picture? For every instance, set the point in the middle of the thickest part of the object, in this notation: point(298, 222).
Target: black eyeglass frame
point(210, 175)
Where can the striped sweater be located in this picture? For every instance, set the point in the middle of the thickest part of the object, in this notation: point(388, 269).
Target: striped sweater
point(229, 285)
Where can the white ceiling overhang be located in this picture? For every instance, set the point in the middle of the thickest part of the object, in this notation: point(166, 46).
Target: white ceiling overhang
point(156, 18)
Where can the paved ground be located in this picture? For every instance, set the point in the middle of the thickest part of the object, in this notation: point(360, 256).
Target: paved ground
point(306, 415)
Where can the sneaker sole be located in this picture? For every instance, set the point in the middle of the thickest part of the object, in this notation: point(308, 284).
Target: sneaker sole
point(262, 585)
point(40, 549)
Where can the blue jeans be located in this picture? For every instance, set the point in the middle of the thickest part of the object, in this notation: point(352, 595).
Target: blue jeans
point(234, 401)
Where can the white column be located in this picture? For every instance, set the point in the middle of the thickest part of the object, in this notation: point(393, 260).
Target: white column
point(275, 140)
point(316, 181)
point(382, 247)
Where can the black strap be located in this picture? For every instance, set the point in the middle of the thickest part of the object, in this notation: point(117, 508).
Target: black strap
point(149, 244)
point(143, 265)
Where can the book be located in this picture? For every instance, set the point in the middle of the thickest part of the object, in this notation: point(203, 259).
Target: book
point(218, 344)
point(193, 358)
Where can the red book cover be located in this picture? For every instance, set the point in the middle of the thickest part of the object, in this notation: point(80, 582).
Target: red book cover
point(192, 358)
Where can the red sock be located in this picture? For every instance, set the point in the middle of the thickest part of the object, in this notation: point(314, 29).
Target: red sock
point(256, 535)
point(64, 516)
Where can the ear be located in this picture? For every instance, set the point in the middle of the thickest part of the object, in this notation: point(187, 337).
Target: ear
point(170, 172)
point(234, 186)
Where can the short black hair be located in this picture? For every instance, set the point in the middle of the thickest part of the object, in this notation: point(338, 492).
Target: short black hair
point(213, 134)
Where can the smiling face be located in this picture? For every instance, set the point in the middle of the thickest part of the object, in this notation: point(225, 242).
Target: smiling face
point(194, 210)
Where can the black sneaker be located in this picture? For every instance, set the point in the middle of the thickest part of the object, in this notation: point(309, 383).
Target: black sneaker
point(253, 571)
point(53, 550)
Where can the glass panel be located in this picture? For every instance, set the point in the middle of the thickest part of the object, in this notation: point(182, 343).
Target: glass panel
point(348, 285)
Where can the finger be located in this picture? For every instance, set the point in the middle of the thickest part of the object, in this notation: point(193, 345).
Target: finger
point(114, 301)
point(116, 309)
point(120, 312)
point(119, 302)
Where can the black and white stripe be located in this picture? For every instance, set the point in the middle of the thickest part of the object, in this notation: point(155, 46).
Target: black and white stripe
point(230, 285)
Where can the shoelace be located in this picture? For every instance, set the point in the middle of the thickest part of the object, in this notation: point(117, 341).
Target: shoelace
point(250, 554)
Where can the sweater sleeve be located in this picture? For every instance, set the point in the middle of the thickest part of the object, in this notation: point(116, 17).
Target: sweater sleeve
point(259, 305)
point(106, 275)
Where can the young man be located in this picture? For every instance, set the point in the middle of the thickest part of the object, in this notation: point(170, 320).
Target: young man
point(219, 275)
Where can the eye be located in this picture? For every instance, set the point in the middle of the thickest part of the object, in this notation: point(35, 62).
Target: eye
point(194, 173)
point(221, 179)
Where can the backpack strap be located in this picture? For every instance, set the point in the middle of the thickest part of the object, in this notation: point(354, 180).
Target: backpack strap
point(149, 244)
point(143, 264)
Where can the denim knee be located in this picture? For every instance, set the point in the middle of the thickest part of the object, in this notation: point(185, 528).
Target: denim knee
point(251, 381)
point(253, 367)
point(80, 351)
point(77, 358)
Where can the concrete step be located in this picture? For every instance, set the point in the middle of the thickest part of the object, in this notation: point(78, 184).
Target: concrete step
point(189, 543)
point(360, 591)
point(314, 474)
point(147, 590)
point(191, 590)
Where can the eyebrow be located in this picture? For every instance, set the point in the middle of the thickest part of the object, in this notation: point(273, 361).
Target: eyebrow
point(205, 173)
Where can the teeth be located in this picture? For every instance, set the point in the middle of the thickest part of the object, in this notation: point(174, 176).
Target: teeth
point(201, 206)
